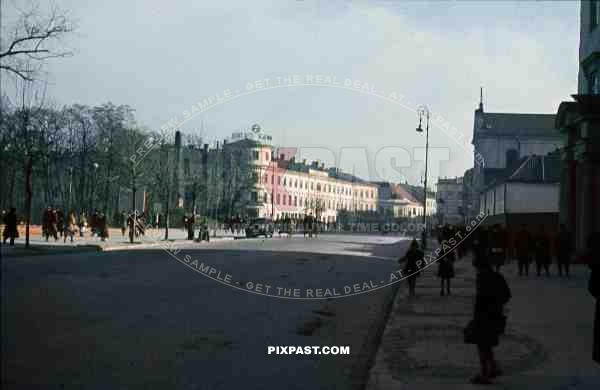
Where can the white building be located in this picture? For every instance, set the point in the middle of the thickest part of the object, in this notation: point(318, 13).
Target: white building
point(450, 201)
point(501, 140)
point(248, 176)
point(525, 195)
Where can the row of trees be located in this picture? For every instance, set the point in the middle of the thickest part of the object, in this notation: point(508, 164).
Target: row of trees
point(85, 158)
point(80, 157)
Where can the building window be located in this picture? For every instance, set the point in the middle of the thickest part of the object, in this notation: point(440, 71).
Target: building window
point(594, 14)
point(290, 200)
point(284, 199)
point(272, 179)
point(278, 199)
point(284, 181)
point(295, 201)
point(256, 157)
point(266, 179)
point(267, 156)
point(254, 196)
point(279, 180)
point(265, 198)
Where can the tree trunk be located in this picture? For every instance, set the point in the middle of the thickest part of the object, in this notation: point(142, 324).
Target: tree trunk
point(167, 220)
point(28, 196)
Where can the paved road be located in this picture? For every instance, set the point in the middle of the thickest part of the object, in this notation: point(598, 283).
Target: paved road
point(143, 319)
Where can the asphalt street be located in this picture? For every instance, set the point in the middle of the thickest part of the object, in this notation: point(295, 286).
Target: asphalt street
point(153, 319)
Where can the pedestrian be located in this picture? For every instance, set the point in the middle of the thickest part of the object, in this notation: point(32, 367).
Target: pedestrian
point(94, 223)
point(60, 222)
point(565, 240)
point(10, 227)
point(446, 271)
point(446, 262)
point(498, 247)
point(83, 224)
point(489, 322)
point(141, 225)
point(70, 226)
point(123, 221)
point(411, 267)
point(523, 246)
point(593, 247)
point(542, 252)
point(102, 227)
point(190, 227)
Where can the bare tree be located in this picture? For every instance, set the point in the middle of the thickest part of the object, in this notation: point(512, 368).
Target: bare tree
point(161, 174)
point(32, 37)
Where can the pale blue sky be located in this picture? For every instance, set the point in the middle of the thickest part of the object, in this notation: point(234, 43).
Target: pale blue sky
point(163, 57)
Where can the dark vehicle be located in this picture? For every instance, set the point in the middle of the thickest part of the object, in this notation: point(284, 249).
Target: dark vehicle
point(260, 227)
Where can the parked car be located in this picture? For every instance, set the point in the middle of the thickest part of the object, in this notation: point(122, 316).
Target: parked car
point(260, 227)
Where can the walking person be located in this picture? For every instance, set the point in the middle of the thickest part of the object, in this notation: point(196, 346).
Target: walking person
point(542, 253)
point(70, 226)
point(60, 222)
point(565, 240)
point(593, 245)
point(82, 224)
point(498, 247)
point(102, 227)
point(446, 271)
point(190, 227)
point(10, 227)
point(523, 245)
point(446, 262)
point(489, 321)
point(411, 268)
point(123, 221)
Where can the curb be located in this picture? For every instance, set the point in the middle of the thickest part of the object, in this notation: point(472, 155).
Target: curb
point(156, 245)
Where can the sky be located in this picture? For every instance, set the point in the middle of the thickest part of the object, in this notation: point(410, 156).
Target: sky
point(163, 58)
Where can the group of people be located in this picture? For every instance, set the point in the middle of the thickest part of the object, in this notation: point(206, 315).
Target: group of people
point(235, 224)
point(133, 221)
point(490, 251)
point(55, 223)
point(189, 224)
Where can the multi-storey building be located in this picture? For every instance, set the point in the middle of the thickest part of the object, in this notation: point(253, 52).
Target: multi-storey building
point(579, 123)
point(248, 176)
point(395, 202)
point(501, 140)
point(450, 201)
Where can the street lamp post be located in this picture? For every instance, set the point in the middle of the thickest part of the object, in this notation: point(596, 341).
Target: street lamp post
point(424, 111)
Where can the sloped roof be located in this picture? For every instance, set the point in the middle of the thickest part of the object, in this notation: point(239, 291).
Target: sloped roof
point(519, 124)
point(539, 169)
point(529, 169)
point(401, 193)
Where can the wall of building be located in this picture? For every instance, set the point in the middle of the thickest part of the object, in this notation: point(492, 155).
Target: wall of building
point(493, 149)
point(450, 209)
point(589, 42)
point(532, 198)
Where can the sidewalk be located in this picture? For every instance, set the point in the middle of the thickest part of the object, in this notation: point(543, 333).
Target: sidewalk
point(547, 344)
point(153, 240)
